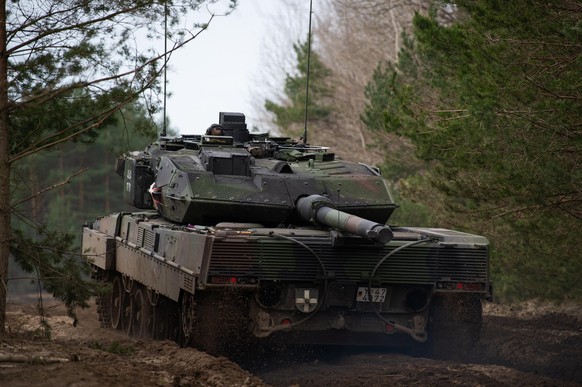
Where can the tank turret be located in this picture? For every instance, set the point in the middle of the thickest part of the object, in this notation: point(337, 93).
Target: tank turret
point(243, 177)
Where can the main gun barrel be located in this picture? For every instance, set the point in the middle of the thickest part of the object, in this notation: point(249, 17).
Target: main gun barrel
point(319, 210)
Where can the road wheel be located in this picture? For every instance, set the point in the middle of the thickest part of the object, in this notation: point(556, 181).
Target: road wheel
point(116, 302)
point(141, 314)
point(188, 320)
point(126, 313)
point(166, 320)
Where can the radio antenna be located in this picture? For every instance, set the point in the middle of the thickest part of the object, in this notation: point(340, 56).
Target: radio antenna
point(308, 62)
point(165, 64)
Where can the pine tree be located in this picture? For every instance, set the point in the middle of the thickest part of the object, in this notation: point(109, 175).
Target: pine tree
point(66, 68)
point(494, 100)
point(292, 109)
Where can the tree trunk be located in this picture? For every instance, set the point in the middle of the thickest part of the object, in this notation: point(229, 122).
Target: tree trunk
point(81, 185)
point(107, 182)
point(4, 170)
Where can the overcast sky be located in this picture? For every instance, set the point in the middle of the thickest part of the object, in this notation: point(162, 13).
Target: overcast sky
point(214, 72)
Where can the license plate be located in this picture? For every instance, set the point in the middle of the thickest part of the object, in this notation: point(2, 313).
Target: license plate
point(378, 294)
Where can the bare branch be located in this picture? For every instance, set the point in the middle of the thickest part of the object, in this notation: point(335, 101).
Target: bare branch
point(5, 358)
point(67, 181)
point(85, 24)
point(106, 114)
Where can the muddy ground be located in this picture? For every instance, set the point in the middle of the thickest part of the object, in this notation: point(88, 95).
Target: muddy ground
point(527, 345)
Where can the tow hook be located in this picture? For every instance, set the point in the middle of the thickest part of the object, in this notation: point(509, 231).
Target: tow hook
point(265, 326)
point(418, 330)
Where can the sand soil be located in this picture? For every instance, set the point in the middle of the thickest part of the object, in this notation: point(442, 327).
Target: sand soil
point(531, 344)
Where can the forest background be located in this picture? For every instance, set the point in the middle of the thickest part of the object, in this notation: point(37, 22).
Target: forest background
point(472, 109)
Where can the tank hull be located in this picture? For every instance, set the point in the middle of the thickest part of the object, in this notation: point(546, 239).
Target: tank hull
point(291, 284)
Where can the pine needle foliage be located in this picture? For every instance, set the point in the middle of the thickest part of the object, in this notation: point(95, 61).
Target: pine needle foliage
point(495, 101)
point(292, 109)
point(66, 69)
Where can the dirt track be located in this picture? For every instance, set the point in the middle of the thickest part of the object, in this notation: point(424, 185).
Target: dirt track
point(532, 345)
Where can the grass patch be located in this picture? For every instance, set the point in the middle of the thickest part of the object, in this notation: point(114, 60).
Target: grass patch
point(114, 347)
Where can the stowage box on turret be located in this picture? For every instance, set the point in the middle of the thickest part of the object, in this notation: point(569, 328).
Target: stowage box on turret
point(246, 238)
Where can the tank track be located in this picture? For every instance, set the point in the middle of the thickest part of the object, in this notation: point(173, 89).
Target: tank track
point(102, 301)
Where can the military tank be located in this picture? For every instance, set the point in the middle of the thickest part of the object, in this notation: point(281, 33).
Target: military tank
point(243, 238)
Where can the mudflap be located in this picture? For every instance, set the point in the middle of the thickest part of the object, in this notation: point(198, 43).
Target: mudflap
point(216, 321)
point(455, 325)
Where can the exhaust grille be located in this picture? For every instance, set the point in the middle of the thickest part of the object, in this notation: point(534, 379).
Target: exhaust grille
point(146, 238)
point(287, 261)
